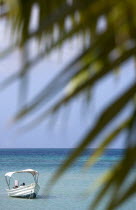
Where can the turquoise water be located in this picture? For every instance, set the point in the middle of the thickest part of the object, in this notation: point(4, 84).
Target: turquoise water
point(66, 194)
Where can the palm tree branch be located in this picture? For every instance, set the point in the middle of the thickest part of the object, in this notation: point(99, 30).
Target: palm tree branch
point(105, 118)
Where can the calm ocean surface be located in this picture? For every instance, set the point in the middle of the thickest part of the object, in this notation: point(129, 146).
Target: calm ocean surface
point(66, 194)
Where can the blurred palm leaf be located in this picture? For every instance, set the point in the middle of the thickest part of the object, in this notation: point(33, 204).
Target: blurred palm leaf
point(103, 51)
point(97, 153)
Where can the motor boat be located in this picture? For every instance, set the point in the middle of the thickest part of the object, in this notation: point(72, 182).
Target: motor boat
point(22, 190)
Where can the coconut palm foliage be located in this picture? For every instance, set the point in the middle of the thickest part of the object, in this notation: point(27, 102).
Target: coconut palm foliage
point(102, 53)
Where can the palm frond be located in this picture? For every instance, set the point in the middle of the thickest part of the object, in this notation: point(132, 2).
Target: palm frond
point(103, 51)
point(108, 140)
point(116, 179)
point(71, 94)
point(105, 118)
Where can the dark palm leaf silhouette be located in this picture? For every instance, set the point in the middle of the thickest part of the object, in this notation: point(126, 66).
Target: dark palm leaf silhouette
point(102, 53)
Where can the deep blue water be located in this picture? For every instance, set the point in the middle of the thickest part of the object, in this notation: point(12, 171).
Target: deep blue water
point(43, 158)
point(66, 194)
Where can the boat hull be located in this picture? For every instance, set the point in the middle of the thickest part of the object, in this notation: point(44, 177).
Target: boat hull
point(27, 191)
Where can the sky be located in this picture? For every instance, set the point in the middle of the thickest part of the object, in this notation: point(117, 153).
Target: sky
point(69, 126)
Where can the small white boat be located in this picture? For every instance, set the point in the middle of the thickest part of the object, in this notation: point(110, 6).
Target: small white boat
point(23, 191)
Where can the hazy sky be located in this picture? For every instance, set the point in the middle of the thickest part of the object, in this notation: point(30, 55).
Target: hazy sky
point(66, 129)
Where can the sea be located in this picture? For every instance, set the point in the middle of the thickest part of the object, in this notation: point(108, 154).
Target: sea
point(71, 190)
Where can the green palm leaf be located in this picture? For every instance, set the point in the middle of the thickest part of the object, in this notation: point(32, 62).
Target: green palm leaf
point(102, 53)
point(105, 118)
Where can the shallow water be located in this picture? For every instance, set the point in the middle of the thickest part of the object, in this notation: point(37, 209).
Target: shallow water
point(66, 194)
